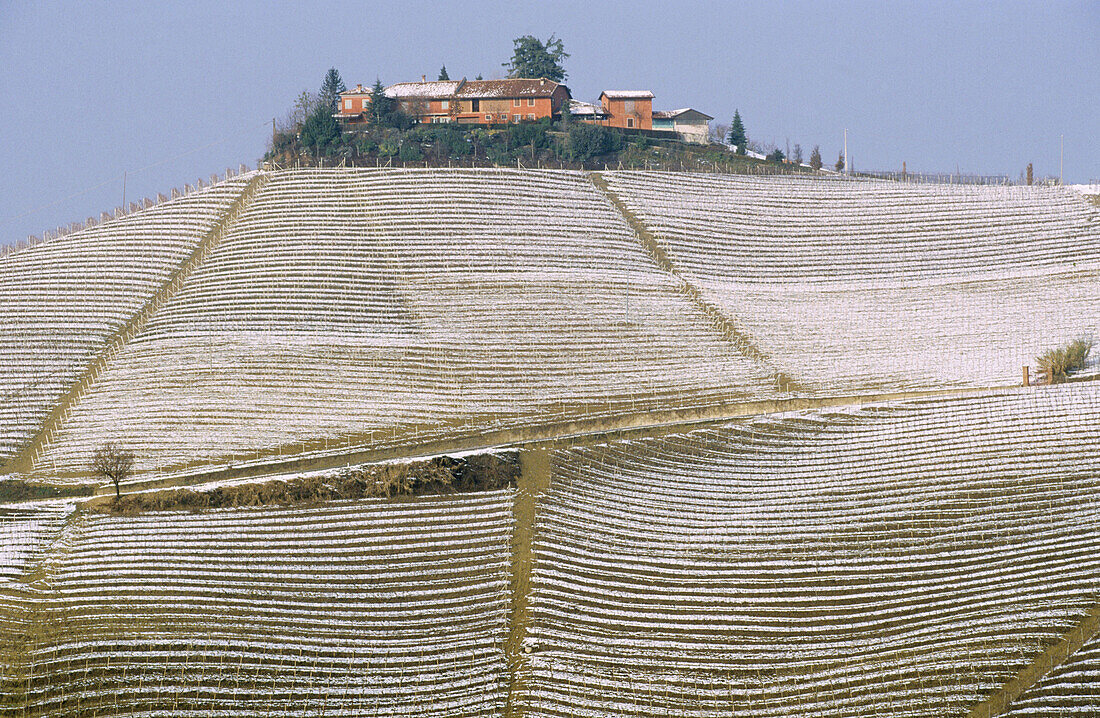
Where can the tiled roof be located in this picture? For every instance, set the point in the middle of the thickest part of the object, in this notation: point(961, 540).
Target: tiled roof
point(576, 107)
point(519, 87)
point(628, 94)
point(429, 89)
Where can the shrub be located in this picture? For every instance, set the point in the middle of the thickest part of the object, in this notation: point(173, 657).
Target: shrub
point(586, 141)
point(410, 152)
point(1062, 361)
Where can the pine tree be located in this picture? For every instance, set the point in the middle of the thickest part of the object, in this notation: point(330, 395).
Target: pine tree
point(737, 134)
point(443, 74)
point(840, 162)
point(533, 58)
point(331, 89)
point(815, 158)
point(380, 105)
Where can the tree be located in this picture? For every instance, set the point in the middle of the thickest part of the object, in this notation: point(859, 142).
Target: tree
point(320, 129)
point(796, 156)
point(114, 464)
point(815, 158)
point(533, 58)
point(776, 156)
point(840, 162)
point(479, 78)
point(331, 88)
point(443, 74)
point(380, 105)
point(737, 134)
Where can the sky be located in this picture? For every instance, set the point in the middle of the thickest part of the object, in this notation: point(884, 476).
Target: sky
point(170, 92)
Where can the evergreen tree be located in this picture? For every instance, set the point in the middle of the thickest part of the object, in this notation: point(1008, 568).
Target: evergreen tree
point(533, 58)
point(331, 88)
point(737, 134)
point(443, 74)
point(815, 158)
point(320, 130)
point(840, 162)
point(380, 105)
point(479, 78)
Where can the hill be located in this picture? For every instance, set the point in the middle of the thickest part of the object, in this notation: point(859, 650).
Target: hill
point(775, 458)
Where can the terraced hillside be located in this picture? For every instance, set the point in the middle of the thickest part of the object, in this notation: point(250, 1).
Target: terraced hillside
point(866, 286)
point(353, 608)
point(65, 299)
point(885, 550)
point(906, 559)
point(377, 305)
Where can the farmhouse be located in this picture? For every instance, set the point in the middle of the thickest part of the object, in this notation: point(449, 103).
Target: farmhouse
point(465, 101)
point(688, 124)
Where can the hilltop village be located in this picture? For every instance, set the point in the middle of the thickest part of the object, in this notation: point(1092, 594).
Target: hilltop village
point(512, 101)
point(529, 118)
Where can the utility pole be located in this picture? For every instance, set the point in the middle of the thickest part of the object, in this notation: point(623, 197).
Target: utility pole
point(123, 190)
point(847, 162)
point(1061, 158)
point(273, 133)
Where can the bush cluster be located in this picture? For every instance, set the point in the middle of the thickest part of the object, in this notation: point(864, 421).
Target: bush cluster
point(1060, 362)
point(439, 475)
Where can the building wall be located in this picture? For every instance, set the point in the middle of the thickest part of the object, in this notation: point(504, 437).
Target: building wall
point(692, 132)
point(359, 103)
point(622, 110)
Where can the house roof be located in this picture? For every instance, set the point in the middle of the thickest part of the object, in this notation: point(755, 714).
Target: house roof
point(517, 87)
point(683, 112)
point(576, 107)
point(358, 90)
point(424, 90)
point(627, 94)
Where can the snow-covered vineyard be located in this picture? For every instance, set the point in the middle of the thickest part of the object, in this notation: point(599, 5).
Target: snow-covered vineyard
point(873, 286)
point(901, 560)
point(773, 455)
point(373, 303)
point(362, 608)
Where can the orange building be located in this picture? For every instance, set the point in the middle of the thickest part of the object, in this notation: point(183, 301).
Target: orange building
point(629, 109)
point(490, 102)
point(485, 102)
point(353, 103)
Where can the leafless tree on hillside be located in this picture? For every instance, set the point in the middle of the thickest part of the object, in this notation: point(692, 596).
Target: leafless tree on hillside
point(113, 463)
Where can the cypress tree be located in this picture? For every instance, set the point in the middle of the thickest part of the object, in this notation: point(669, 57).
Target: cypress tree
point(737, 133)
point(331, 88)
point(443, 74)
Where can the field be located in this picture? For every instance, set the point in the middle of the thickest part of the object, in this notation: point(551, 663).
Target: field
point(776, 458)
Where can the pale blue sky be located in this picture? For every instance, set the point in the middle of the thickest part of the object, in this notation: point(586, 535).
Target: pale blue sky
point(93, 88)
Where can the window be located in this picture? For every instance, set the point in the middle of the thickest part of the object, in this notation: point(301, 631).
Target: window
point(488, 118)
point(630, 122)
point(516, 118)
point(365, 103)
point(531, 115)
point(515, 102)
point(347, 104)
point(530, 102)
point(475, 105)
point(503, 116)
point(445, 104)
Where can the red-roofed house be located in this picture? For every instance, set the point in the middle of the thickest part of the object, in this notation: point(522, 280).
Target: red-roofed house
point(486, 102)
point(515, 100)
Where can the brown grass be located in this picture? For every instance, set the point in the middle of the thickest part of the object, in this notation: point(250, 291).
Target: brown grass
point(438, 475)
point(1060, 362)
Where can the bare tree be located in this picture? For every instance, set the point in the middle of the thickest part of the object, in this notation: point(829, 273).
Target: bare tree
point(113, 463)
